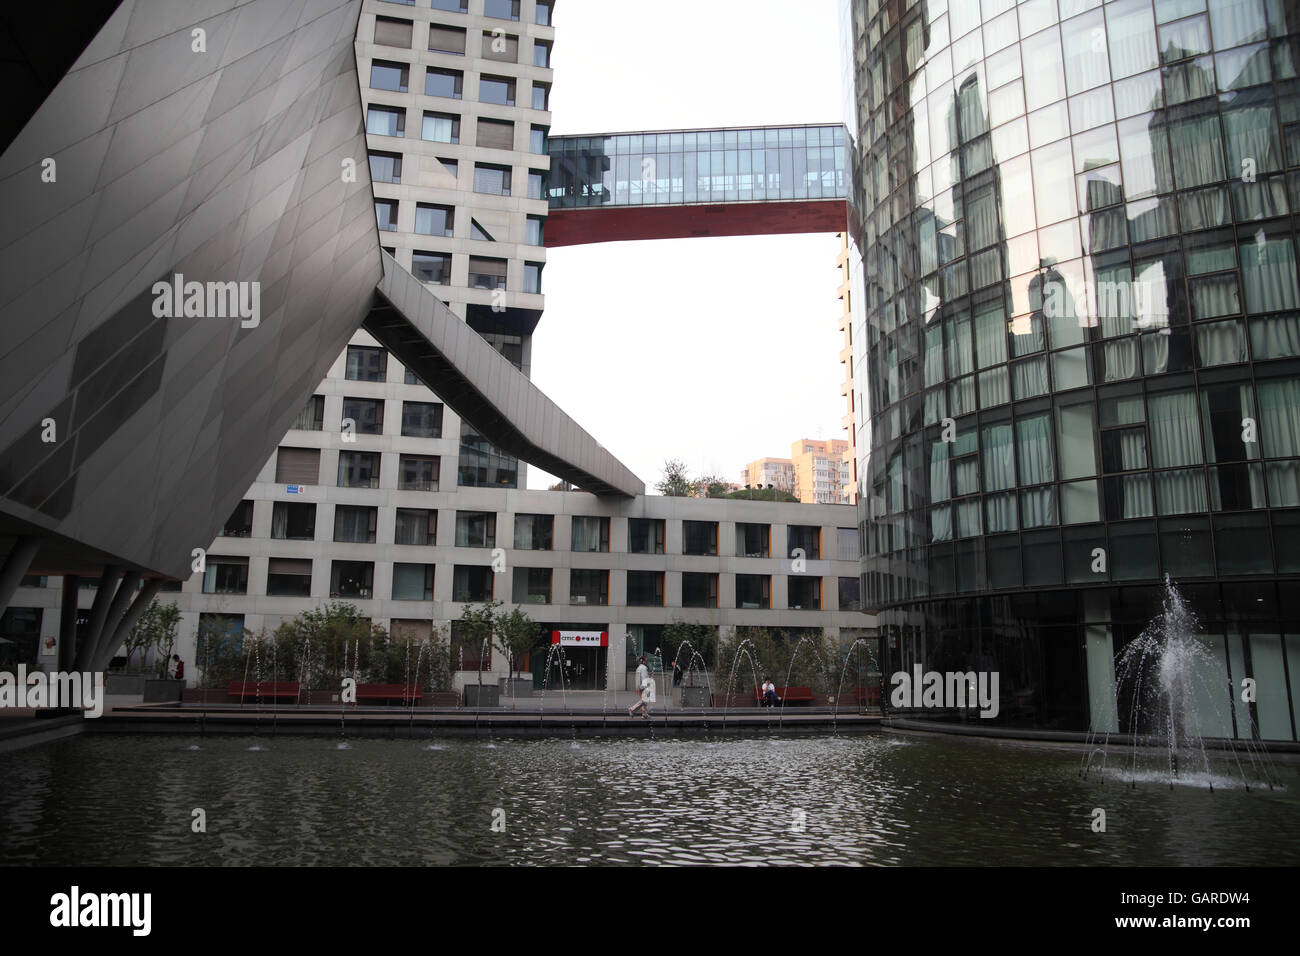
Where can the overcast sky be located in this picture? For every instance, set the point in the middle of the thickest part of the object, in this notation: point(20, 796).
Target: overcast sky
point(715, 351)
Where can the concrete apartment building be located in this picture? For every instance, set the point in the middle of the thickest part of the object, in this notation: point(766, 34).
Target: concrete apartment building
point(382, 496)
point(777, 472)
point(823, 470)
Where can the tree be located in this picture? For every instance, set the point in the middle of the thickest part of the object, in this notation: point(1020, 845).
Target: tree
point(515, 635)
point(674, 483)
point(560, 486)
point(709, 486)
point(156, 630)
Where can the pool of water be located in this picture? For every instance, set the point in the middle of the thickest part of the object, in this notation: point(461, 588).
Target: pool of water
point(877, 799)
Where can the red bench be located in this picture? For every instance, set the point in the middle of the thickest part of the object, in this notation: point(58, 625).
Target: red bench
point(388, 693)
point(284, 690)
point(790, 695)
point(868, 696)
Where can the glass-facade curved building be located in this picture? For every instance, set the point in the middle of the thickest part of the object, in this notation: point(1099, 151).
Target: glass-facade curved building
point(1078, 311)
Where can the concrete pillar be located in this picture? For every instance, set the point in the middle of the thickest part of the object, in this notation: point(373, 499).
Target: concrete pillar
point(141, 604)
point(15, 566)
point(68, 623)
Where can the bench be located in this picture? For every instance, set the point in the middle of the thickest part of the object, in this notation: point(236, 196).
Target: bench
point(788, 695)
point(867, 696)
point(389, 693)
point(265, 690)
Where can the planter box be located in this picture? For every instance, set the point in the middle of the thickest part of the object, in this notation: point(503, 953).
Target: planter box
point(126, 685)
point(515, 687)
point(482, 695)
point(695, 697)
point(163, 691)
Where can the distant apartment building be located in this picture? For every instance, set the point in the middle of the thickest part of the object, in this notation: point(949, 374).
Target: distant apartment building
point(823, 471)
point(777, 472)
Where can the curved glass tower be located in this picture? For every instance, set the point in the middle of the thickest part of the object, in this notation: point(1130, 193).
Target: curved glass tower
point(1079, 317)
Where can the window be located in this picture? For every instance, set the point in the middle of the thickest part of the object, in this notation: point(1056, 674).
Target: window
point(541, 96)
point(476, 231)
point(533, 236)
point(431, 267)
point(542, 13)
point(496, 134)
point(418, 526)
point(590, 533)
point(534, 532)
point(699, 537)
point(385, 167)
point(385, 75)
point(493, 180)
point(440, 128)
point(645, 588)
point(240, 522)
point(753, 540)
point(846, 544)
point(537, 139)
point(451, 166)
point(645, 535)
point(498, 46)
point(476, 529)
point(358, 469)
point(541, 53)
point(482, 465)
point(533, 277)
point(471, 583)
point(497, 89)
point(353, 579)
point(412, 582)
point(297, 466)
point(588, 586)
point(487, 273)
point(355, 524)
point(753, 591)
point(386, 121)
point(312, 416)
point(367, 415)
point(365, 364)
point(389, 31)
point(418, 472)
point(447, 83)
point(807, 537)
point(536, 184)
point(431, 220)
point(454, 6)
point(444, 39)
point(225, 630)
point(699, 590)
point(804, 593)
point(225, 575)
point(850, 594)
point(501, 9)
point(292, 521)
point(289, 576)
point(386, 214)
point(422, 419)
point(532, 586)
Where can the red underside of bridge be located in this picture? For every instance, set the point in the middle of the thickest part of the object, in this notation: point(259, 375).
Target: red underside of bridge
point(573, 227)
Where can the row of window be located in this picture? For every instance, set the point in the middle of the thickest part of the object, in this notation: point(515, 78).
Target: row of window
point(536, 532)
point(498, 9)
point(365, 416)
point(443, 38)
point(587, 586)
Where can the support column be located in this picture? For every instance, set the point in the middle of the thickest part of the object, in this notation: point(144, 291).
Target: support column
point(68, 623)
point(141, 604)
point(15, 566)
point(98, 614)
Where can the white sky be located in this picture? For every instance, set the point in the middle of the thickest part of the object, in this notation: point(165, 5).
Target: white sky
point(715, 351)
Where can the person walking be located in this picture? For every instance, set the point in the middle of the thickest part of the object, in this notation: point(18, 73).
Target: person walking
point(646, 686)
